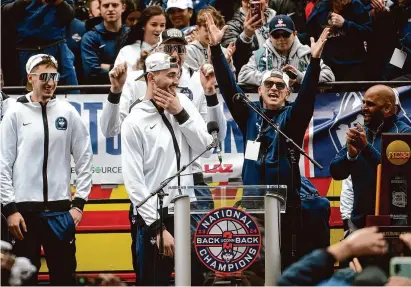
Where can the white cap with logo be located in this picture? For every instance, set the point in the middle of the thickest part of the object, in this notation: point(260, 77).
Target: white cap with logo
point(37, 59)
point(277, 74)
point(160, 61)
point(180, 4)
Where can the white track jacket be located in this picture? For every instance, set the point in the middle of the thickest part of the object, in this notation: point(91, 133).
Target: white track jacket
point(149, 155)
point(36, 144)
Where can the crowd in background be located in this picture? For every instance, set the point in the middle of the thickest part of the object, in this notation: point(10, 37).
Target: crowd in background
point(369, 39)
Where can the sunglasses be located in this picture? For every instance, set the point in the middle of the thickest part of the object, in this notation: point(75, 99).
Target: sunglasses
point(45, 77)
point(170, 48)
point(278, 85)
point(284, 35)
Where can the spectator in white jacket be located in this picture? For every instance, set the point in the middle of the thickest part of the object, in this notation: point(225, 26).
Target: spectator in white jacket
point(144, 36)
point(282, 51)
point(198, 50)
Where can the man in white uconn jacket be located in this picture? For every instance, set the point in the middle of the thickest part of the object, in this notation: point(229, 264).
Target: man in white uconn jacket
point(38, 136)
point(162, 133)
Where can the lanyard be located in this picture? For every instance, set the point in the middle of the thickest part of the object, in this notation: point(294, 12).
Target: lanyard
point(260, 131)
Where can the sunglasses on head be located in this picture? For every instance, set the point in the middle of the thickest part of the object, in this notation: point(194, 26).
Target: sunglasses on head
point(170, 48)
point(278, 35)
point(45, 77)
point(278, 85)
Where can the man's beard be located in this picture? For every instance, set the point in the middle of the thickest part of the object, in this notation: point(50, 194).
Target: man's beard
point(376, 120)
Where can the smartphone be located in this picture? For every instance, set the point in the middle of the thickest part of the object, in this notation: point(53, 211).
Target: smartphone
point(255, 7)
point(400, 266)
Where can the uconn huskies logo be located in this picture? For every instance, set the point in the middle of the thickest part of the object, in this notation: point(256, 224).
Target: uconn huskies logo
point(348, 113)
point(61, 123)
point(227, 240)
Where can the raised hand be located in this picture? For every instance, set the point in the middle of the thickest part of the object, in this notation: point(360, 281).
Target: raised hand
point(250, 24)
point(214, 34)
point(230, 51)
point(208, 80)
point(118, 76)
point(317, 47)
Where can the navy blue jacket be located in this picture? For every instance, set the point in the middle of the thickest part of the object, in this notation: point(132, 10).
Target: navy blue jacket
point(100, 46)
point(346, 44)
point(37, 21)
point(363, 170)
point(272, 166)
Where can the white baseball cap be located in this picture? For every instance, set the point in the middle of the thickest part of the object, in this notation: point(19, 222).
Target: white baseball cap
point(276, 74)
point(37, 59)
point(160, 61)
point(180, 4)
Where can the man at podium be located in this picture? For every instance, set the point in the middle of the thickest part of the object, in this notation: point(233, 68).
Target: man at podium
point(361, 155)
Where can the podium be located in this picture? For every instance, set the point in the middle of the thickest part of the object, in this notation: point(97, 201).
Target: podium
point(238, 230)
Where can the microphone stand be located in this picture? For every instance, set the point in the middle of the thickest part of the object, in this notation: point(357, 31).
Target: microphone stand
point(160, 192)
point(293, 161)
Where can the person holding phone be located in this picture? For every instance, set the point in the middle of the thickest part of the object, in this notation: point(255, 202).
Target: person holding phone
point(282, 51)
point(248, 29)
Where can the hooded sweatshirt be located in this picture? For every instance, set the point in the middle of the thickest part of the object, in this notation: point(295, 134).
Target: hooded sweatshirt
point(197, 55)
point(100, 46)
point(299, 57)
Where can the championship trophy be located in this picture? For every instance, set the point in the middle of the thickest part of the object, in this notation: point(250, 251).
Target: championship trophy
point(392, 202)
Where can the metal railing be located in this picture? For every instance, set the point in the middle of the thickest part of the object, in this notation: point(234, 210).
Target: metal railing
point(323, 87)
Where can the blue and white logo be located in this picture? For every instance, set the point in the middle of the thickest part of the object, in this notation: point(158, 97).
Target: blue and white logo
point(61, 123)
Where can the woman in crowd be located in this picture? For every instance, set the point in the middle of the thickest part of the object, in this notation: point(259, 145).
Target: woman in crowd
point(143, 37)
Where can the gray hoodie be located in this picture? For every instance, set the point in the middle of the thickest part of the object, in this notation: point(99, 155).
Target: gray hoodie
point(299, 57)
point(197, 55)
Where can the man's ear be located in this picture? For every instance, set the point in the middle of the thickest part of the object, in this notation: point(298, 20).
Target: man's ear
point(288, 93)
point(150, 78)
point(190, 12)
point(124, 8)
point(30, 78)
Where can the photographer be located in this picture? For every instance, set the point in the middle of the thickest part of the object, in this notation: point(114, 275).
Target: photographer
point(282, 51)
point(40, 28)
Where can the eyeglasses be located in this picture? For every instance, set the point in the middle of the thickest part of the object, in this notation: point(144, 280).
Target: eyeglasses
point(278, 85)
point(170, 48)
point(278, 35)
point(45, 77)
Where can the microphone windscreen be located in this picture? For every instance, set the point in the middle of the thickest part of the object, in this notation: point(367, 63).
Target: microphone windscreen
point(212, 126)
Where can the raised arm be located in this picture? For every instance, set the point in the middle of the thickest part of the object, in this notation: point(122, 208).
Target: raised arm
point(225, 77)
point(302, 109)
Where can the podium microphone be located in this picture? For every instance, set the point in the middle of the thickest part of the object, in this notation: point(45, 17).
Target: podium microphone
point(213, 129)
